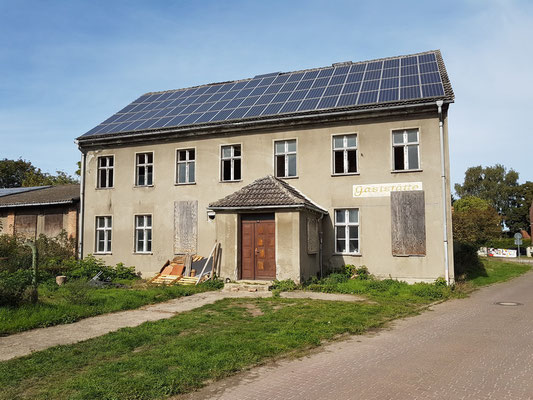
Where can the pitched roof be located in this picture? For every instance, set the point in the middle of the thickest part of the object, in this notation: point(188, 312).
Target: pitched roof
point(385, 83)
point(267, 192)
point(9, 191)
point(47, 195)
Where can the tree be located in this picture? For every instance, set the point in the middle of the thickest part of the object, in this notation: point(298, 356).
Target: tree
point(13, 172)
point(17, 173)
point(518, 217)
point(475, 221)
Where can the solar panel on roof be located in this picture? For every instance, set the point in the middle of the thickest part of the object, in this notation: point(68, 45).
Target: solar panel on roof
point(396, 79)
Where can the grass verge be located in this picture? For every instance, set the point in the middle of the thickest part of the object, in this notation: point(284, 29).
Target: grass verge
point(70, 303)
point(174, 356)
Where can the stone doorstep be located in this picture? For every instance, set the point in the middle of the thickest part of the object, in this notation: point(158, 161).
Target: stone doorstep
point(247, 286)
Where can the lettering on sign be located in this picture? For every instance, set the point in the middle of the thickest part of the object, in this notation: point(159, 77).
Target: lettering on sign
point(384, 189)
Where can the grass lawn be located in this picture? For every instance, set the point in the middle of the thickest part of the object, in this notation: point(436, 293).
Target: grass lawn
point(69, 303)
point(497, 271)
point(158, 359)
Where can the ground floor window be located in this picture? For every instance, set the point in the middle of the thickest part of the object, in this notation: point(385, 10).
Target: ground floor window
point(103, 234)
point(347, 231)
point(143, 233)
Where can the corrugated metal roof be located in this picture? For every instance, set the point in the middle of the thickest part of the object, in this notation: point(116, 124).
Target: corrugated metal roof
point(10, 191)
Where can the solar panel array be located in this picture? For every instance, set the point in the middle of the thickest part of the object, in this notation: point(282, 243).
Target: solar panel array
point(342, 85)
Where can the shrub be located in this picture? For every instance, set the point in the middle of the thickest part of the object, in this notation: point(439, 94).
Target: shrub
point(90, 266)
point(284, 286)
point(212, 284)
point(466, 261)
point(12, 286)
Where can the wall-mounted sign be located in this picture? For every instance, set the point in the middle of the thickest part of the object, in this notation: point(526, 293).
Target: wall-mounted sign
point(384, 189)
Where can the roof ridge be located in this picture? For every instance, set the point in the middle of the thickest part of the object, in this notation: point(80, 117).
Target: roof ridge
point(437, 51)
point(285, 187)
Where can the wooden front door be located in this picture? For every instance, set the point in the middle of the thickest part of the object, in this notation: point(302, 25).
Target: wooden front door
point(258, 246)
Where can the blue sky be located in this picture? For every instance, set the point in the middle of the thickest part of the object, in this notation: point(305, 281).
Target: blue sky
point(65, 66)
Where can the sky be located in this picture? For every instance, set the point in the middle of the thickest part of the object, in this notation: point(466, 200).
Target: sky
point(65, 66)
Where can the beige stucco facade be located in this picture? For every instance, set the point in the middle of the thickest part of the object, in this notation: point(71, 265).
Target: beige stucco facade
point(314, 179)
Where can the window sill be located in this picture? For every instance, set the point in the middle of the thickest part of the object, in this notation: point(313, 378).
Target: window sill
point(141, 253)
point(236, 181)
point(184, 184)
point(104, 188)
point(348, 254)
point(142, 186)
point(287, 177)
point(103, 254)
point(348, 174)
point(403, 171)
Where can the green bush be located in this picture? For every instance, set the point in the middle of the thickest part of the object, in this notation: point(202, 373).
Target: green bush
point(212, 284)
point(12, 286)
point(466, 261)
point(284, 286)
point(90, 266)
point(77, 292)
point(507, 243)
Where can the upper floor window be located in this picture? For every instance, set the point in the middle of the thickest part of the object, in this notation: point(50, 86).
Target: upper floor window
point(185, 172)
point(405, 149)
point(103, 234)
point(347, 231)
point(143, 233)
point(285, 154)
point(345, 154)
point(105, 171)
point(231, 162)
point(144, 169)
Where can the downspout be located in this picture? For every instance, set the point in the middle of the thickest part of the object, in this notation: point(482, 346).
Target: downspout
point(444, 196)
point(320, 234)
point(82, 204)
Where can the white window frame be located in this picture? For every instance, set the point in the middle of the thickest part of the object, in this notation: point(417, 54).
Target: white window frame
point(107, 230)
point(232, 158)
point(144, 165)
point(285, 154)
point(347, 224)
point(109, 171)
point(187, 162)
point(405, 144)
point(144, 228)
point(345, 149)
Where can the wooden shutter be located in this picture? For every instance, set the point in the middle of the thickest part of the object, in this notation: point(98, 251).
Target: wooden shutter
point(312, 235)
point(408, 223)
point(185, 227)
point(26, 225)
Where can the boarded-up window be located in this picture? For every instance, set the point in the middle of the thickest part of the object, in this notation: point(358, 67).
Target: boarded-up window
point(185, 227)
point(53, 224)
point(408, 223)
point(26, 225)
point(312, 235)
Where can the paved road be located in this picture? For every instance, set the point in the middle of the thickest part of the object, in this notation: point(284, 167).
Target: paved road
point(462, 349)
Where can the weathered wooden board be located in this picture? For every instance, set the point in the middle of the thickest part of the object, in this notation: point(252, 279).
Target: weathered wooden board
point(185, 227)
point(26, 225)
point(53, 224)
point(408, 217)
point(312, 235)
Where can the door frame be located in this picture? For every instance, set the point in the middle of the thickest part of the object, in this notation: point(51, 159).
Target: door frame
point(255, 217)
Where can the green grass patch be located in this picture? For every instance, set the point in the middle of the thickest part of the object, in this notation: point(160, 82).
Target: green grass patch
point(167, 357)
point(494, 271)
point(72, 302)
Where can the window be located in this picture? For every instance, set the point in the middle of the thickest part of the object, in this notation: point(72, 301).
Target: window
point(231, 162)
point(105, 171)
point(144, 169)
point(347, 231)
point(103, 235)
point(285, 154)
point(405, 149)
point(143, 233)
point(185, 172)
point(345, 154)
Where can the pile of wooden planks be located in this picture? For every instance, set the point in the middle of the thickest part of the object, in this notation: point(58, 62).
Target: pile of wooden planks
point(179, 271)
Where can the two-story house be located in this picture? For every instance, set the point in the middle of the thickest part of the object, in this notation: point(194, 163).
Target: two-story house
point(292, 173)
